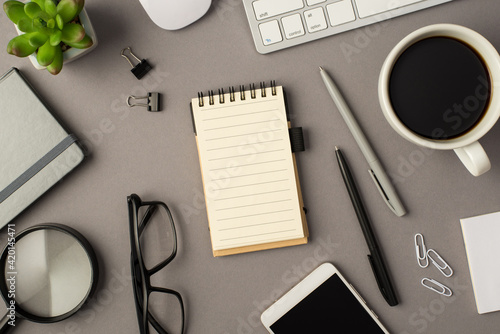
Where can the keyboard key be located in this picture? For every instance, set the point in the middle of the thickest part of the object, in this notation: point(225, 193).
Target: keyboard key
point(270, 32)
point(315, 19)
point(292, 25)
point(269, 8)
point(314, 2)
point(373, 7)
point(340, 12)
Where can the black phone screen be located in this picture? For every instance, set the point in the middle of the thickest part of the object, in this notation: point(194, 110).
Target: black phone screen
point(331, 308)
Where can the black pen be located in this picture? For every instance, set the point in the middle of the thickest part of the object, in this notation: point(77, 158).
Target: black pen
point(375, 257)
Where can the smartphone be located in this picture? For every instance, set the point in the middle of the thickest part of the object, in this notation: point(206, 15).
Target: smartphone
point(323, 302)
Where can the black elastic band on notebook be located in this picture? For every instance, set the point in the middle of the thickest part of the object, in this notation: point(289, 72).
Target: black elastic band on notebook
point(37, 167)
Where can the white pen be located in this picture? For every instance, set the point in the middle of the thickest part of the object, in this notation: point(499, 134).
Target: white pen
point(377, 172)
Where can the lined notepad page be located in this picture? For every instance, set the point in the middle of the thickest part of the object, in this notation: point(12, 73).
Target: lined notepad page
point(248, 171)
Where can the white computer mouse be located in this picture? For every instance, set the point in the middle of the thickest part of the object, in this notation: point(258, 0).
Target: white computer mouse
point(175, 14)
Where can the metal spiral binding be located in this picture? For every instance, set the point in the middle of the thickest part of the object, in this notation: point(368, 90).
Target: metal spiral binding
point(263, 89)
point(211, 97)
point(232, 93)
point(242, 92)
point(221, 95)
point(200, 99)
point(273, 87)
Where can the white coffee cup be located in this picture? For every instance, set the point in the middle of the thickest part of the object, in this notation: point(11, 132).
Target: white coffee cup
point(466, 145)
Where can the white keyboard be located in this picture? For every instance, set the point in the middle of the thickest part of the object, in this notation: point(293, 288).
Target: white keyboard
point(279, 24)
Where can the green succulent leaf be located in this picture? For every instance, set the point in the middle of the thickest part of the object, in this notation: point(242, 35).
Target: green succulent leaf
point(40, 23)
point(20, 46)
point(14, 10)
point(40, 3)
point(46, 54)
point(51, 23)
point(32, 9)
point(85, 43)
point(39, 27)
point(55, 38)
point(10, 3)
point(56, 66)
point(26, 25)
point(50, 7)
point(37, 23)
point(60, 22)
point(81, 4)
point(72, 33)
point(69, 9)
point(37, 39)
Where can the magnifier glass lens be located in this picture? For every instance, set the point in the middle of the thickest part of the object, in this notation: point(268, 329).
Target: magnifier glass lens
point(54, 273)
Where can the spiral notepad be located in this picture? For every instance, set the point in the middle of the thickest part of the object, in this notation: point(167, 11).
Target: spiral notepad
point(249, 173)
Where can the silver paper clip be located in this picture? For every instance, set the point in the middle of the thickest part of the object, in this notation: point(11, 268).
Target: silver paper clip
point(438, 261)
point(421, 251)
point(436, 287)
point(153, 101)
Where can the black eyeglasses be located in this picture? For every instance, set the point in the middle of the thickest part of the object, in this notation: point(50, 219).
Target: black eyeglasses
point(153, 241)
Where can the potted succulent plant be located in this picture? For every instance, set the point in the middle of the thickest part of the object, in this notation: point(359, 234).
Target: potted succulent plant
point(50, 32)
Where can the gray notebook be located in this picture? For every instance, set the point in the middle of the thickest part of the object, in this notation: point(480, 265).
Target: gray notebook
point(36, 151)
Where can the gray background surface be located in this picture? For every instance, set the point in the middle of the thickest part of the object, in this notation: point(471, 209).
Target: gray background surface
point(155, 156)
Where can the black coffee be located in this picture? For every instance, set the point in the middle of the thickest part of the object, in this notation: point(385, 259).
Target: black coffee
point(439, 88)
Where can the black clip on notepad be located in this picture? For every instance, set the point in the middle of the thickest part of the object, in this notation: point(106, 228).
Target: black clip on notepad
point(141, 68)
point(296, 139)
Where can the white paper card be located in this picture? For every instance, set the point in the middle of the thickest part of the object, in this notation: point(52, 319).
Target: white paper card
point(482, 243)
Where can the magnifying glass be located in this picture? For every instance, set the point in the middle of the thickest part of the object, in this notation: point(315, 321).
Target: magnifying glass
point(46, 275)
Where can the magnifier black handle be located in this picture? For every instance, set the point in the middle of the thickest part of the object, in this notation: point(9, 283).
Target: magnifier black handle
point(4, 325)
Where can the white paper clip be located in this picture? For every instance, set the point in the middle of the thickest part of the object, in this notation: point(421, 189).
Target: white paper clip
point(436, 287)
point(153, 100)
point(421, 251)
point(443, 267)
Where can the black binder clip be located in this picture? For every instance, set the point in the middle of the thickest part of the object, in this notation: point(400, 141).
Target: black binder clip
point(141, 68)
point(152, 98)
